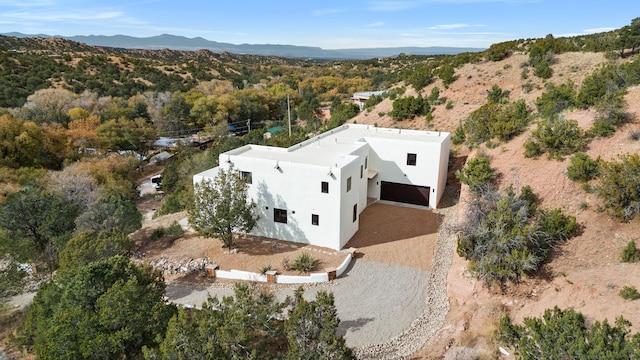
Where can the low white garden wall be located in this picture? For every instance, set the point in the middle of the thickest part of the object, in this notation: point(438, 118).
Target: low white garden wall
point(287, 279)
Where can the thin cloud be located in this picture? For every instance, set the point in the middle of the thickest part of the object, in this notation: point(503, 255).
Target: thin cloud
point(67, 16)
point(375, 24)
point(587, 32)
point(599, 30)
point(451, 26)
point(388, 5)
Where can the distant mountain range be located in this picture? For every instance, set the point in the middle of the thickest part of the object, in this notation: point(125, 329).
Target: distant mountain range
point(174, 42)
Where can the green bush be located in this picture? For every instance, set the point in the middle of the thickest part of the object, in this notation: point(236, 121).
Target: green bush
point(373, 100)
point(629, 293)
point(447, 75)
point(583, 168)
point(458, 135)
point(555, 136)
point(409, 107)
point(303, 262)
point(556, 99)
point(611, 108)
point(543, 70)
point(476, 173)
point(527, 194)
point(505, 238)
point(419, 77)
point(619, 186)
point(601, 128)
point(595, 86)
point(173, 203)
point(630, 253)
point(173, 232)
point(557, 225)
point(396, 92)
point(501, 51)
point(564, 334)
point(434, 96)
point(497, 95)
point(496, 120)
point(265, 268)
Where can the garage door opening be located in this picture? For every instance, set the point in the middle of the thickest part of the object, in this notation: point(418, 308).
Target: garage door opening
point(404, 193)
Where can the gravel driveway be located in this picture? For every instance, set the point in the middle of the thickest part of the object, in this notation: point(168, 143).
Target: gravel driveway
point(375, 301)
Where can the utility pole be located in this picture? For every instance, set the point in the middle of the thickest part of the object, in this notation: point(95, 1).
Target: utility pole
point(289, 114)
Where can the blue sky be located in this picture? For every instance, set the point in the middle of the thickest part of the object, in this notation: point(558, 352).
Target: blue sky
point(326, 24)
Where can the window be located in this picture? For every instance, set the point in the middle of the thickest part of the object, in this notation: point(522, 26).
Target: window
point(280, 215)
point(349, 184)
point(246, 176)
point(355, 212)
point(411, 159)
point(366, 158)
point(361, 171)
point(324, 187)
point(315, 219)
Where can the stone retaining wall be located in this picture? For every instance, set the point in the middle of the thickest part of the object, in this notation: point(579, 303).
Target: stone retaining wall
point(210, 268)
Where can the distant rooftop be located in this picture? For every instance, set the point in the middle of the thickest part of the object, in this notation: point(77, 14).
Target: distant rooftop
point(367, 94)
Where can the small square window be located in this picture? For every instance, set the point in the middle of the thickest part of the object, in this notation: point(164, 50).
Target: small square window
point(349, 184)
point(324, 187)
point(355, 212)
point(315, 219)
point(361, 171)
point(280, 215)
point(246, 176)
point(411, 159)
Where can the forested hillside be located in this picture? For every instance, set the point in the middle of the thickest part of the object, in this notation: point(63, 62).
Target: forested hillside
point(550, 126)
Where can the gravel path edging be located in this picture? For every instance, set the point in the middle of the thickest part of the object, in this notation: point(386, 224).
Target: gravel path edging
point(427, 324)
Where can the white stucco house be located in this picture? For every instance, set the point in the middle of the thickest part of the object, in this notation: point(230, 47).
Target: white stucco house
point(314, 191)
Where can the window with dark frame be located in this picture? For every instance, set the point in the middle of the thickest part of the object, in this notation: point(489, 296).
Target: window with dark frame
point(315, 219)
point(355, 212)
point(280, 215)
point(324, 187)
point(349, 184)
point(411, 159)
point(246, 176)
point(361, 171)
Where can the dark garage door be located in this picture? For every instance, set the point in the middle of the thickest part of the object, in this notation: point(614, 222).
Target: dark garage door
point(408, 194)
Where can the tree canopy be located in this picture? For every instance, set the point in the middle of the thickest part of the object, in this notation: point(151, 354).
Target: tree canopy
point(564, 334)
point(249, 325)
point(222, 207)
point(41, 219)
point(106, 309)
